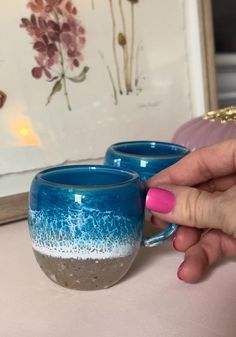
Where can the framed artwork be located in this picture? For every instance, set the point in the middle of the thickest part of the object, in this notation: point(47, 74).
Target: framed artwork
point(79, 75)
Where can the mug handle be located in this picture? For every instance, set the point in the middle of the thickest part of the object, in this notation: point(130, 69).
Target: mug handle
point(155, 240)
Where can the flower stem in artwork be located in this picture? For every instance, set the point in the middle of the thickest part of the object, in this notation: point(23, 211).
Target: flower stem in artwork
point(123, 42)
point(111, 79)
point(113, 84)
point(132, 4)
point(137, 71)
point(114, 34)
point(63, 71)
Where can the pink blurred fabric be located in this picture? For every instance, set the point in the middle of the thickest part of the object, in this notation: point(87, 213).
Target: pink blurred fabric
point(199, 132)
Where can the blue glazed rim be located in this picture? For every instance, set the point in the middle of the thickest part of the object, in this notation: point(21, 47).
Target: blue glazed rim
point(132, 176)
point(115, 149)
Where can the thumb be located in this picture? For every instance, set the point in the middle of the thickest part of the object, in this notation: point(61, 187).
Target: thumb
point(191, 207)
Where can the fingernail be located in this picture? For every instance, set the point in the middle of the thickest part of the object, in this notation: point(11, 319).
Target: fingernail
point(179, 270)
point(160, 200)
point(173, 242)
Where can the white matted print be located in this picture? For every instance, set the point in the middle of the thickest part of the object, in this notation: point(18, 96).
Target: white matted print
point(78, 75)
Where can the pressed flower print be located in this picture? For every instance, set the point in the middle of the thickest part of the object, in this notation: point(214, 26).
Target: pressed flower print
point(3, 98)
point(122, 13)
point(58, 41)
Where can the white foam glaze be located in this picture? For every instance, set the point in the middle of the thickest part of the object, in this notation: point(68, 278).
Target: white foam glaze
point(83, 234)
point(74, 252)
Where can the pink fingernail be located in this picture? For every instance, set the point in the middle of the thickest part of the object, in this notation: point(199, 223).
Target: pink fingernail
point(160, 200)
point(179, 270)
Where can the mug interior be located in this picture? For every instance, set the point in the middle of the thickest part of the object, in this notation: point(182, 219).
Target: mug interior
point(149, 149)
point(87, 176)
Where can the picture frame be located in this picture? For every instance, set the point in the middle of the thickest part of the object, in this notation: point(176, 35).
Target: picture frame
point(145, 109)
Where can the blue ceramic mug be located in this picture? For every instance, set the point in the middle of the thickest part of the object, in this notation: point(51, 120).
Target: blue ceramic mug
point(86, 224)
point(146, 158)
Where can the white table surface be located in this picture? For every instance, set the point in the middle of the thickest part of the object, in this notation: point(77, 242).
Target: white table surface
point(149, 302)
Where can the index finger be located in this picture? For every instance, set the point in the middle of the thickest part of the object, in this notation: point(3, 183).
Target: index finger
point(210, 162)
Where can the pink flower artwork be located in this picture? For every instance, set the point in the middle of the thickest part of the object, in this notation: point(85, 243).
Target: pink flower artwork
point(3, 98)
point(58, 40)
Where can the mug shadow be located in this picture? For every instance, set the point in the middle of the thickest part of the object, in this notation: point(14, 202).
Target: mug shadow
point(148, 256)
point(215, 267)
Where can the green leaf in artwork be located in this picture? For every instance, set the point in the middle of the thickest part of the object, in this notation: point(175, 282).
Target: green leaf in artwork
point(56, 88)
point(81, 77)
point(53, 79)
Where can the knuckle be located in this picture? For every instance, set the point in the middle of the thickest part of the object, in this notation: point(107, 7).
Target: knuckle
point(228, 212)
point(196, 208)
point(191, 206)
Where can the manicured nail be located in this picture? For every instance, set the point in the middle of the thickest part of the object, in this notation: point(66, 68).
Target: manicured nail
point(179, 270)
point(160, 200)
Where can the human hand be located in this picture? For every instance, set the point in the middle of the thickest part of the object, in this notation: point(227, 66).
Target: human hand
point(198, 193)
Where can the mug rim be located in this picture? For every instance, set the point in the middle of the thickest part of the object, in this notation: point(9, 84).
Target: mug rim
point(127, 154)
point(88, 167)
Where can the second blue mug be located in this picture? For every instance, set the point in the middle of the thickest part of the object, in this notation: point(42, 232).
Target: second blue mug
point(147, 158)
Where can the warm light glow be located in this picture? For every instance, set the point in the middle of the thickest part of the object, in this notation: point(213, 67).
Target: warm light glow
point(24, 131)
